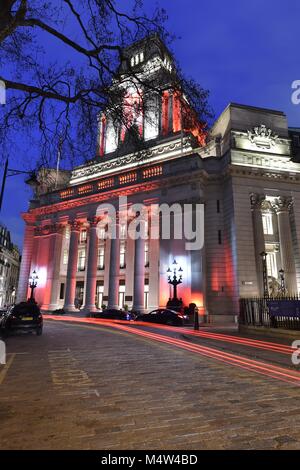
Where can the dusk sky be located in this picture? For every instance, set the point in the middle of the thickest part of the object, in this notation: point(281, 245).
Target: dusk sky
point(243, 52)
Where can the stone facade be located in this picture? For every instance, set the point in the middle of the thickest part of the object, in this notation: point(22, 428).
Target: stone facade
point(9, 268)
point(247, 177)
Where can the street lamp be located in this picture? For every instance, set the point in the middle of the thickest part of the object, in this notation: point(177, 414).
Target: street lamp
point(264, 255)
point(175, 280)
point(32, 284)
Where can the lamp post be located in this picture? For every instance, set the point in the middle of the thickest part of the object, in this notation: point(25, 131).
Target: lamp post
point(282, 282)
point(32, 284)
point(175, 280)
point(264, 255)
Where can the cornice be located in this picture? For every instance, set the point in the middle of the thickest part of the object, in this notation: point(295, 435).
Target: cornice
point(255, 173)
point(165, 151)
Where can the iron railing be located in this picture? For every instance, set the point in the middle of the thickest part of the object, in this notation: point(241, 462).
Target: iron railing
point(271, 312)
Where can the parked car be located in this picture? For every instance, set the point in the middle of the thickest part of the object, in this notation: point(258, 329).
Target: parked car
point(114, 314)
point(25, 316)
point(164, 316)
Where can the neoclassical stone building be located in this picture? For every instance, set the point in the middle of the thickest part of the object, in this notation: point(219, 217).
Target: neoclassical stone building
point(246, 172)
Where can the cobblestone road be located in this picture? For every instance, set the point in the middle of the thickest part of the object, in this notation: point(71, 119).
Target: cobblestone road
point(89, 387)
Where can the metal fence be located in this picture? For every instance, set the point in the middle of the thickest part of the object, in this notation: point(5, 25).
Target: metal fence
point(271, 312)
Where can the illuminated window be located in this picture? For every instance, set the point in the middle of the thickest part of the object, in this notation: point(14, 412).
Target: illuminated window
point(101, 233)
point(67, 232)
point(101, 254)
point(65, 256)
point(122, 255)
point(146, 293)
point(272, 264)
point(122, 294)
point(83, 235)
point(81, 260)
point(99, 294)
point(267, 220)
point(123, 231)
point(146, 254)
point(136, 59)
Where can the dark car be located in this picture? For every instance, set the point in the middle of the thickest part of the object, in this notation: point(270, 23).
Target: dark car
point(24, 316)
point(114, 314)
point(164, 316)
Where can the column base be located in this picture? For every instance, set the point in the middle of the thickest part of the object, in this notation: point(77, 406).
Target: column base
point(89, 308)
point(70, 308)
point(114, 307)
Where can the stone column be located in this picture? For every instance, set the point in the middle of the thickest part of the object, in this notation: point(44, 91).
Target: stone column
point(154, 260)
point(259, 238)
point(72, 268)
point(26, 258)
point(282, 206)
point(91, 274)
point(53, 281)
point(114, 268)
point(139, 270)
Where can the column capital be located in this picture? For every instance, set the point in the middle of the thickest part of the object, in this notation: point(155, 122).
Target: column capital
point(75, 225)
point(282, 204)
point(48, 229)
point(29, 218)
point(93, 221)
point(257, 200)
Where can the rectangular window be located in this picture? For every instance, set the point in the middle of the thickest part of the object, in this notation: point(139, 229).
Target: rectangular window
point(65, 256)
point(62, 291)
point(101, 233)
point(101, 251)
point(81, 260)
point(272, 264)
point(218, 206)
point(146, 293)
point(99, 294)
point(67, 232)
point(83, 236)
point(220, 237)
point(122, 294)
point(267, 219)
point(122, 256)
point(146, 254)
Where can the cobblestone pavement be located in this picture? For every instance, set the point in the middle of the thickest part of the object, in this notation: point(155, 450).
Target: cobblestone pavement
point(90, 387)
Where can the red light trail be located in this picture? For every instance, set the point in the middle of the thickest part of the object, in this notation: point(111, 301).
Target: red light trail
point(275, 372)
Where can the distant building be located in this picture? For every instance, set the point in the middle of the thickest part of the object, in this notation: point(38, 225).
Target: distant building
point(246, 173)
point(9, 268)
